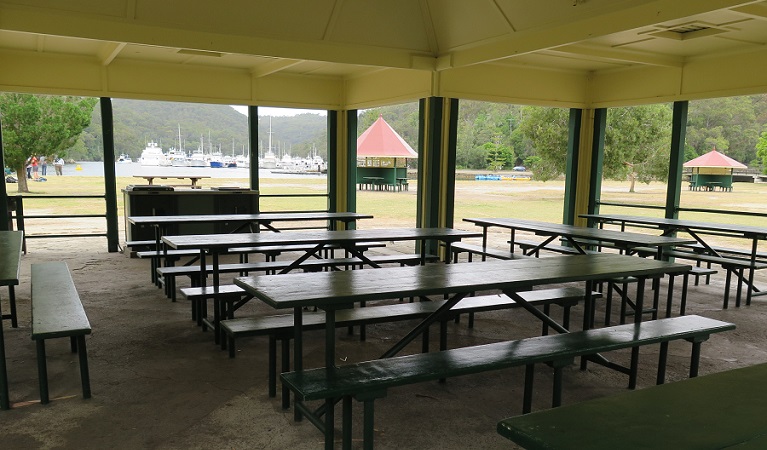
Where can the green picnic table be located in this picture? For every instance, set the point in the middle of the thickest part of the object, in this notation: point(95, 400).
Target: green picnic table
point(722, 410)
point(10, 259)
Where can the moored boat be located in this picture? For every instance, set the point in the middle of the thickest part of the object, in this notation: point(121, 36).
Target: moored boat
point(152, 155)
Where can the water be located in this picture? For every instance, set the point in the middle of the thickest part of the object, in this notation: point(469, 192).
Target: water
point(96, 169)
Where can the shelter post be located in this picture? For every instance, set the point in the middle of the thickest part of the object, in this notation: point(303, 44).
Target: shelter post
point(438, 129)
point(571, 168)
point(110, 181)
point(342, 161)
point(253, 147)
point(597, 159)
point(676, 159)
point(5, 222)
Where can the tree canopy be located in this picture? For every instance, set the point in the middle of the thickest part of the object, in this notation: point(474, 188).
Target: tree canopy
point(40, 125)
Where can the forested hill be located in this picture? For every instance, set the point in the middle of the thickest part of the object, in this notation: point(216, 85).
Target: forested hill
point(220, 126)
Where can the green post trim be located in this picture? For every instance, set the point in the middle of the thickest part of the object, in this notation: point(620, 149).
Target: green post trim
point(597, 160)
point(5, 225)
point(110, 181)
point(571, 169)
point(253, 148)
point(449, 169)
point(351, 162)
point(676, 159)
point(332, 178)
point(430, 142)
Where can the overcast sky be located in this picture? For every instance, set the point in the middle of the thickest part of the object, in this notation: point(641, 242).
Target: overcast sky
point(264, 111)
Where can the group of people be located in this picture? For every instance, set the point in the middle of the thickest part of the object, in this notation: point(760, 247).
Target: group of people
point(38, 167)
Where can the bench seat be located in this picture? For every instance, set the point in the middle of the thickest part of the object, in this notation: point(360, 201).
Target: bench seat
point(369, 380)
point(530, 248)
point(57, 312)
point(281, 327)
point(730, 264)
point(460, 247)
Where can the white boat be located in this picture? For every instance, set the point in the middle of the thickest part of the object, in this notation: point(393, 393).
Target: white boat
point(124, 159)
point(198, 159)
point(177, 158)
point(269, 160)
point(152, 155)
point(242, 161)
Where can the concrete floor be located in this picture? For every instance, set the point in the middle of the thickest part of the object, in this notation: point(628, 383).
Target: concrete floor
point(159, 382)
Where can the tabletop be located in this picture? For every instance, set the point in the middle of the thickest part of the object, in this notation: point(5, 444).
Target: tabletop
point(596, 234)
point(745, 230)
point(10, 256)
point(217, 241)
point(345, 287)
point(258, 217)
point(687, 414)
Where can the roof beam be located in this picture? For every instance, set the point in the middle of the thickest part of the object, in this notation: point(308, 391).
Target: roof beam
point(109, 52)
point(615, 55)
point(272, 67)
point(612, 21)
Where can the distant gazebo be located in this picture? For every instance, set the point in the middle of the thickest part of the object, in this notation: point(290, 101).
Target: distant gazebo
point(711, 171)
point(382, 157)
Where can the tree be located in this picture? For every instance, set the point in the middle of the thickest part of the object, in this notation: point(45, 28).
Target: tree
point(547, 129)
point(637, 143)
point(40, 125)
point(761, 150)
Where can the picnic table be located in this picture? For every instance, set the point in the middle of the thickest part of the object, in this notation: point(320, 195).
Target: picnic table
point(686, 414)
point(253, 222)
point(572, 234)
point(342, 289)
point(214, 244)
point(10, 259)
point(375, 183)
point(193, 178)
point(331, 291)
point(696, 230)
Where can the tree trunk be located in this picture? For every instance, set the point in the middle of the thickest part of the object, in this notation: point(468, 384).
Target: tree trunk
point(633, 180)
point(21, 175)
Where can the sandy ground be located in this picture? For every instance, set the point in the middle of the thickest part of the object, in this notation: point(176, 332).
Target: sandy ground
point(159, 382)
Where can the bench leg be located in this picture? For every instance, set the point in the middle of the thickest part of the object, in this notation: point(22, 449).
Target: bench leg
point(12, 303)
point(85, 378)
point(42, 371)
point(346, 423)
point(695, 357)
point(662, 358)
point(683, 300)
point(368, 423)
point(727, 281)
point(272, 366)
point(609, 304)
point(634, 368)
point(285, 364)
point(669, 296)
point(527, 399)
point(740, 288)
point(329, 424)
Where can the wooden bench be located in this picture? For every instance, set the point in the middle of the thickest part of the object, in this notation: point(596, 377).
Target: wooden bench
point(369, 380)
point(460, 247)
point(168, 274)
point(730, 265)
point(57, 312)
point(530, 248)
point(280, 327)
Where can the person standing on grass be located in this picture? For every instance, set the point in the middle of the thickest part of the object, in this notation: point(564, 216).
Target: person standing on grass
point(43, 165)
point(29, 168)
point(58, 164)
point(35, 167)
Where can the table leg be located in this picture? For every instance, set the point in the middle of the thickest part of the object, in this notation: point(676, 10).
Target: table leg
point(4, 402)
point(298, 352)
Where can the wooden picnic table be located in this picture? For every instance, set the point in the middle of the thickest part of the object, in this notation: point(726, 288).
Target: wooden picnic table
point(10, 260)
point(686, 414)
point(251, 221)
point(570, 233)
point(194, 178)
point(214, 244)
point(696, 229)
point(342, 289)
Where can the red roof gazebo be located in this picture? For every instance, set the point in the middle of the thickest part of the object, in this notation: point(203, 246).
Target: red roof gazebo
point(382, 157)
point(712, 170)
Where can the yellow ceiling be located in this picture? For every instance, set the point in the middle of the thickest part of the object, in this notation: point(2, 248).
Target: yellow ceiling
point(344, 54)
